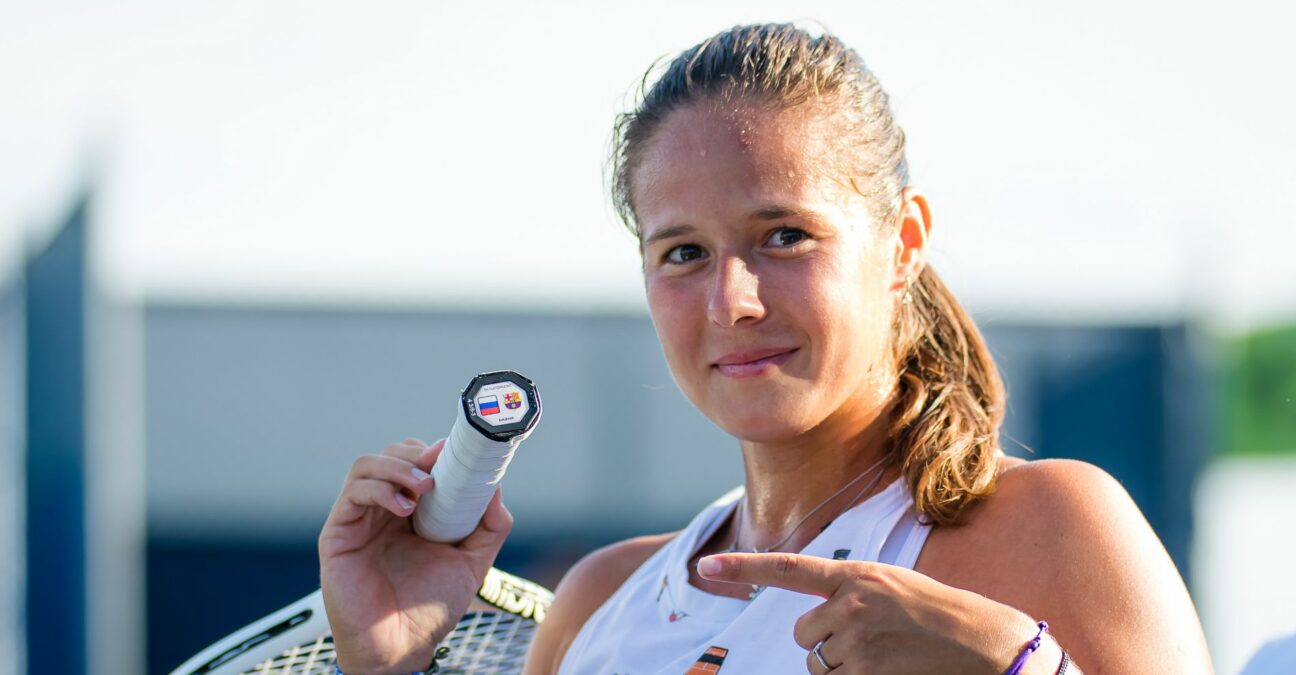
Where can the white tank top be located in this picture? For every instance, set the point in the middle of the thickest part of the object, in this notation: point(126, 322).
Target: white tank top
point(658, 624)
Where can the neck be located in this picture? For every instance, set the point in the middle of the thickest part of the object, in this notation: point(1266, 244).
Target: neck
point(790, 480)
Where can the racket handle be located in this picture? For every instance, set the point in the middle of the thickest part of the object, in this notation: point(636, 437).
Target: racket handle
point(471, 465)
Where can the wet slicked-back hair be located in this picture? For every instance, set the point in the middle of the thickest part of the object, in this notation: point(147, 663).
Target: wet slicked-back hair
point(782, 66)
point(948, 401)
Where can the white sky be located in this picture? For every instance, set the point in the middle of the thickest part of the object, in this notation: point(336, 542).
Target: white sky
point(1086, 161)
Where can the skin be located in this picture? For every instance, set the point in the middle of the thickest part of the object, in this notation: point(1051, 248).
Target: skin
point(754, 245)
point(1059, 540)
point(391, 595)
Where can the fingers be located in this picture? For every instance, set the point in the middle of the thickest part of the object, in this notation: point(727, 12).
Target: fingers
point(828, 631)
point(392, 481)
point(816, 624)
point(791, 571)
point(409, 449)
point(417, 452)
point(368, 492)
point(394, 470)
point(395, 481)
point(823, 661)
point(860, 601)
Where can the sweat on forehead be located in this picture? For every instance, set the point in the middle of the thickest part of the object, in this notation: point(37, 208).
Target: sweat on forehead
point(763, 151)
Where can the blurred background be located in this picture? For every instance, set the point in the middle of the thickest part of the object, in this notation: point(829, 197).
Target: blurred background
point(242, 243)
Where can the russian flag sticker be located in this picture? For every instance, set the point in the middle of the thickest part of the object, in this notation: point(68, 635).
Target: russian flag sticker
point(488, 405)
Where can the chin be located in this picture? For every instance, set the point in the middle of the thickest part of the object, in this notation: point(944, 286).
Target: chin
point(755, 411)
point(763, 424)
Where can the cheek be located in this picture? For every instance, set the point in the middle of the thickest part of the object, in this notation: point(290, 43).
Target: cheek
point(675, 319)
point(852, 314)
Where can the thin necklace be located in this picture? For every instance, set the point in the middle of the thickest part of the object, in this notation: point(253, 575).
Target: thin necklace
point(738, 524)
point(738, 517)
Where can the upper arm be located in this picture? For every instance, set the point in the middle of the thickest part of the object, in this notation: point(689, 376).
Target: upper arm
point(585, 587)
point(1061, 540)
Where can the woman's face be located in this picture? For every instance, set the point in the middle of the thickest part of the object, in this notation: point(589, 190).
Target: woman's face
point(769, 284)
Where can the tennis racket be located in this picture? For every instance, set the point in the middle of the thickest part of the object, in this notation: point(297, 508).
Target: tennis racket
point(496, 412)
point(492, 637)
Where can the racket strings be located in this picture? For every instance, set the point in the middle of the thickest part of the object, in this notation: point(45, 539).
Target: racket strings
point(313, 658)
point(482, 642)
point(491, 642)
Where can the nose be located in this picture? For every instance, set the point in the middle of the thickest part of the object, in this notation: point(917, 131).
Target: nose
point(735, 294)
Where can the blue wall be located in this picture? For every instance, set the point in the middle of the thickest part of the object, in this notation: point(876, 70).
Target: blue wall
point(55, 430)
point(1133, 400)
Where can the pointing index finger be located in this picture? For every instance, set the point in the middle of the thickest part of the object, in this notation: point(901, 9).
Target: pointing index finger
point(790, 571)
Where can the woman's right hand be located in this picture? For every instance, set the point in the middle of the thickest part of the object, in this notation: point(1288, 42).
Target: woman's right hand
point(391, 596)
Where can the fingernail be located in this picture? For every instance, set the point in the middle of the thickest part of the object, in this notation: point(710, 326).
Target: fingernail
point(708, 566)
point(404, 501)
point(419, 474)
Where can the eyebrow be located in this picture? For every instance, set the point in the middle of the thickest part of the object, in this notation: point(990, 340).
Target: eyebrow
point(775, 213)
point(668, 232)
point(767, 213)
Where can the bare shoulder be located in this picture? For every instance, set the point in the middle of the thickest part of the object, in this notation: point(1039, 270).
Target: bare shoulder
point(1073, 480)
point(1062, 540)
point(1049, 518)
point(594, 578)
point(1055, 492)
point(585, 587)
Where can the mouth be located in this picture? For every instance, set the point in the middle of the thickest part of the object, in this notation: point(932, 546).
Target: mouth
point(753, 363)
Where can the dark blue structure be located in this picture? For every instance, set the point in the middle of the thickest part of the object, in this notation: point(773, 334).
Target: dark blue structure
point(1132, 400)
point(55, 402)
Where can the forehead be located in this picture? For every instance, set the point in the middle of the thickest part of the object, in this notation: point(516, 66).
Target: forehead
point(713, 161)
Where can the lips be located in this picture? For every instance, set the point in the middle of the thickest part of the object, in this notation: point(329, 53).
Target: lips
point(754, 362)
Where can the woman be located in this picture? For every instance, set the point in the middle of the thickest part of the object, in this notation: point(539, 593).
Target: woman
point(784, 258)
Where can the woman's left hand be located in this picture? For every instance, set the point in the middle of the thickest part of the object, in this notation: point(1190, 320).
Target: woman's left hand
point(879, 618)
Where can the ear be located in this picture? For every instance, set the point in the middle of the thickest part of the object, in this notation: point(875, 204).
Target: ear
point(911, 236)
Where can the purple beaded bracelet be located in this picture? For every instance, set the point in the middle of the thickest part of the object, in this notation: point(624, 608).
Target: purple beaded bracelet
point(1016, 667)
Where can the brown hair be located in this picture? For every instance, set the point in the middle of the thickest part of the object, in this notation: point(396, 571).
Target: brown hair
point(948, 399)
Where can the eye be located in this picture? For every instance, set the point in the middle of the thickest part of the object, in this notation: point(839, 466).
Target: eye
point(684, 253)
point(786, 237)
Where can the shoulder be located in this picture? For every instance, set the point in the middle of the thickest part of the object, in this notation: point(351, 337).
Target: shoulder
point(1049, 489)
point(585, 587)
point(594, 578)
point(1071, 510)
point(1062, 540)
point(1054, 474)
point(1042, 512)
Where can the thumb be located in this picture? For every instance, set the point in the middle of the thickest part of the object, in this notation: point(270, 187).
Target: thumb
point(494, 528)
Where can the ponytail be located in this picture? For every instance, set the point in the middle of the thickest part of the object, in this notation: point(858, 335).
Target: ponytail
point(949, 403)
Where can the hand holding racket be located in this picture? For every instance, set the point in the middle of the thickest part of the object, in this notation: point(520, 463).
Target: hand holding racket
point(392, 594)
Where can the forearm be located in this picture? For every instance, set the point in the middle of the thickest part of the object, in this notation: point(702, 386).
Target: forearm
point(1004, 634)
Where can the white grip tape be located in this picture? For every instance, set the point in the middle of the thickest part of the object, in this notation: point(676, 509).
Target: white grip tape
point(465, 477)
